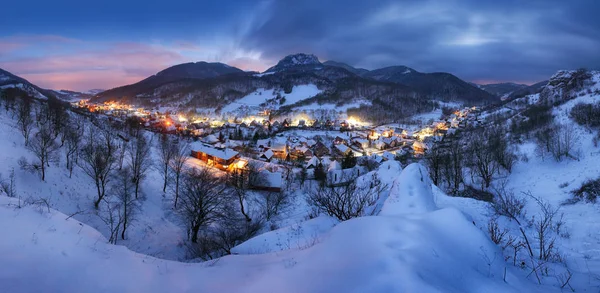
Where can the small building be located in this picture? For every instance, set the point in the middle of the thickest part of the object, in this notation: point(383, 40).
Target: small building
point(361, 142)
point(312, 163)
point(220, 158)
point(267, 155)
point(320, 149)
point(211, 139)
point(342, 149)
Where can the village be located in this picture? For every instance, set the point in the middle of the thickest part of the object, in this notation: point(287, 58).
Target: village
point(274, 146)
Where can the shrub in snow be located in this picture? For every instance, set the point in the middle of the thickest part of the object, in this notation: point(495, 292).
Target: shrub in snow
point(589, 190)
point(348, 200)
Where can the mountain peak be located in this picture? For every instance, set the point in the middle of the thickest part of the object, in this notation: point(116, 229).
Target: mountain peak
point(198, 70)
point(295, 60)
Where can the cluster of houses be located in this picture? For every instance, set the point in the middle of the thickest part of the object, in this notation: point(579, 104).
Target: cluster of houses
point(229, 145)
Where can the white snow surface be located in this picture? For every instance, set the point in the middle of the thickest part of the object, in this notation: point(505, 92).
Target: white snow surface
point(411, 193)
point(261, 95)
point(413, 253)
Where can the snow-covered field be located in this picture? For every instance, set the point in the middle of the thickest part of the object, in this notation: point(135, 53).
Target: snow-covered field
point(254, 99)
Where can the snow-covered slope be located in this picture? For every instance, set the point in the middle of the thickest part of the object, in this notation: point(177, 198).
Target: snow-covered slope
point(438, 251)
point(262, 96)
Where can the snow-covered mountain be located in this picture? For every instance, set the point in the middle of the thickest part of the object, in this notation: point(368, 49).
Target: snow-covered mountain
point(296, 61)
point(215, 85)
point(11, 81)
point(568, 84)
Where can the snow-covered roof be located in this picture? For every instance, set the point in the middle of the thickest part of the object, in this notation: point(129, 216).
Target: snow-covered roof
point(262, 142)
point(420, 145)
point(211, 138)
point(271, 179)
point(314, 161)
point(341, 147)
point(224, 154)
point(335, 165)
point(268, 154)
point(388, 156)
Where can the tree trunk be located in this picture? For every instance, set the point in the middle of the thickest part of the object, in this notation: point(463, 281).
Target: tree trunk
point(124, 221)
point(195, 230)
point(241, 198)
point(137, 187)
point(166, 177)
point(176, 189)
point(97, 202)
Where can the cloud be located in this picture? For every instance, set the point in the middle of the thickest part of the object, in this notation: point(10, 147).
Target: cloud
point(81, 65)
point(485, 40)
point(509, 40)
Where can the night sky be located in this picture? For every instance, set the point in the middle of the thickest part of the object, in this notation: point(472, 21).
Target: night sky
point(102, 44)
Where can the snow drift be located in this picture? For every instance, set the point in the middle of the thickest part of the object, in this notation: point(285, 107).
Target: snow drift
point(411, 193)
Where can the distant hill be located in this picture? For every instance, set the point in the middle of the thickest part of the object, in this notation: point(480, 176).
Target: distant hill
point(357, 71)
point(502, 90)
point(440, 85)
point(9, 80)
point(529, 90)
point(186, 71)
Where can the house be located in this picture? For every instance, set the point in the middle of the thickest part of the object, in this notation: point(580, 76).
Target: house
point(377, 158)
point(388, 156)
point(340, 139)
point(361, 142)
point(380, 144)
point(320, 149)
point(338, 176)
point(303, 152)
point(312, 163)
point(267, 155)
point(342, 149)
point(210, 139)
point(419, 147)
point(220, 158)
point(263, 143)
point(269, 181)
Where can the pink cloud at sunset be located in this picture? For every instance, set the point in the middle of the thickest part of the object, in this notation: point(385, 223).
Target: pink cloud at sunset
point(61, 63)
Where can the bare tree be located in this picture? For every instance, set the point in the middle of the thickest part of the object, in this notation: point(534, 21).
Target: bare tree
point(347, 201)
point(140, 159)
point(112, 218)
point(560, 141)
point(43, 147)
point(97, 161)
point(123, 144)
point(166, 152)
point(72, 136)
point(435, 160)
point(9, 186)
point(24, 119)
point(273, 202)
point(177, 165)
point(453, 166)
point(241, 180)
point(482, 162)
point(204, 199)
point(124, 190)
